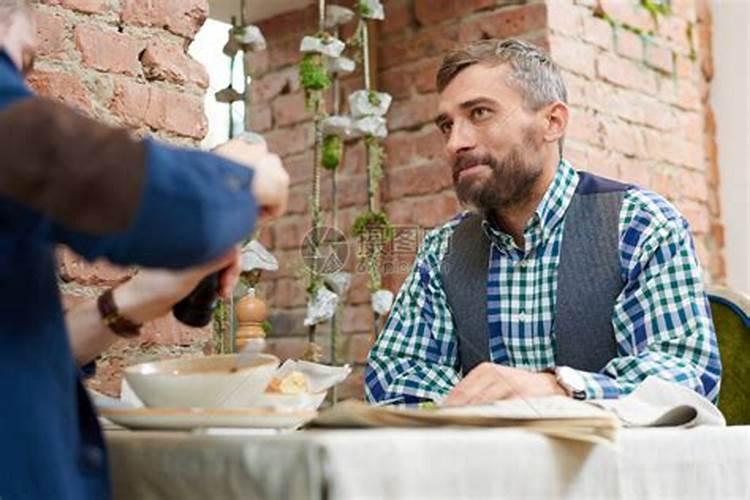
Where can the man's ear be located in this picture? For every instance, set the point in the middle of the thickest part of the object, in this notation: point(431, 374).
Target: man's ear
point(556, 121)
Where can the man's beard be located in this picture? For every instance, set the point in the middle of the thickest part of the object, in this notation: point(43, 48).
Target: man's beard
point(510, 184)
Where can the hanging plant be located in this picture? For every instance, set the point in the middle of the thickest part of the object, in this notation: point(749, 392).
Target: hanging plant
point(333, 148)
point(369, 221)
point(313, 74)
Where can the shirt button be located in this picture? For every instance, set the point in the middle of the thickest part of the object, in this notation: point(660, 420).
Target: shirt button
point(523, 263)
point(521, 316)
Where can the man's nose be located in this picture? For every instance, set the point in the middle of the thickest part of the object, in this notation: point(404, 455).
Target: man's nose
point(461, 139)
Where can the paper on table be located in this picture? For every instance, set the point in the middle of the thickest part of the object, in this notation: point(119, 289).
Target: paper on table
point(659, 403)
point(320, 377)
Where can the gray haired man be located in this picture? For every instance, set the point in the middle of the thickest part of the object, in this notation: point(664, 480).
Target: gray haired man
point(557, 281)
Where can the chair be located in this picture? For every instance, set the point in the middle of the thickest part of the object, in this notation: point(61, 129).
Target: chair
point(731, 314)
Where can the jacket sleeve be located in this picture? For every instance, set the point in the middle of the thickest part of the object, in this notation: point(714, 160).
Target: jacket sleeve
point(108, 195)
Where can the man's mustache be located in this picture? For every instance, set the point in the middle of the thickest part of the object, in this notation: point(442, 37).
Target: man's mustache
point(469, 160)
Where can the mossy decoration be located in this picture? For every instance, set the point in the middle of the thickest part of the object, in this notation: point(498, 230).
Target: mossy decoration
point(332, 150)
point(373, 220)
point(313, 74)
point(364, 9)
point(656, 7)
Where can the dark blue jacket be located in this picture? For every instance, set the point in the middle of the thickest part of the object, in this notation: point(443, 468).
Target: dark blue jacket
point(193, 207)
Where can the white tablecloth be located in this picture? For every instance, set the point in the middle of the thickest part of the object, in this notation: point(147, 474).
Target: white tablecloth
point(449, 463)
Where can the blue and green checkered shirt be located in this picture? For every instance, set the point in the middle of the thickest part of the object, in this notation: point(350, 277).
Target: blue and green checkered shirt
point(661, 319)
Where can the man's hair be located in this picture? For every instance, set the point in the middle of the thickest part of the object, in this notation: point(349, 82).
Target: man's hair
point(532, 72)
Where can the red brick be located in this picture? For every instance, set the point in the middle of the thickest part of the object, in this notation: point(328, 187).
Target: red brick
point(566, 19)
point(622, 137)
point(182, 17)
point(167, 61)
point(62, 86)
point(400, 148)
point(356, 347)
point(398, 17)
point(87, 6)
point(167, 331)
point(108, 50)
point(629, 44)
point(260, 118)
point(660, 58)
point(694, 185)
point(289, 23)
point(289, 293)
point(299, 167)
point(683, 94)
point(696, 213)
point(573, 55)
point(506, 22)
point(177, 112)
point(625, 73)
point(130, 102)
point(628, 12)
point(284, 52)
point(632, 171)
point(74, 268)
point(50, 32)
point(396, 81)
point(673, 149)
point(416, 111)
point(352, 191)
point(290, 109)
point(357, 319)
point(675, 30)
point(271, 85)
point(286, 141)
point(418, 180)
point(425, 73)
point(598, 32)
point(287, 348)
point(429, 12)
point(431, 145)
point(290, 232)
point(432, 211)
point(584, 126)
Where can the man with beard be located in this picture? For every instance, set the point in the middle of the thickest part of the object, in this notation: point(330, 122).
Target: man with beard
point(67, 179)
point(557, 281)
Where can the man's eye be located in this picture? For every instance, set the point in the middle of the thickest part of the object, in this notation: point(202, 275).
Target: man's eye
point(479, 113)
point(445, 128)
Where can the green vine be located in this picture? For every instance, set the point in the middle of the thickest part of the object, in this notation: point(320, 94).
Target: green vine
point(377, 158)
point(364, 9)
point(314, 78)
point(333, 148)
point(656, 7)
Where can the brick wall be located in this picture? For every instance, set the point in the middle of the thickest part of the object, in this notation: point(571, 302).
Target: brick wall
point(124, 62)
point(639, 114)
point(638, 87)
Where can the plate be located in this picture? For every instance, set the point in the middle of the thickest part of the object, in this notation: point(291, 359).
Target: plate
point(194, 418)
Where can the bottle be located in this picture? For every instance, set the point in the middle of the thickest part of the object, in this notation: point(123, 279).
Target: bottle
point(197, 308)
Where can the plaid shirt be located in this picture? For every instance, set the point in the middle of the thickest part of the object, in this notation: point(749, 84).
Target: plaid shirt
point(662, 321)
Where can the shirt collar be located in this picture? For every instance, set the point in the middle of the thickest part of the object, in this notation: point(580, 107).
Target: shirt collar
point(547, 215)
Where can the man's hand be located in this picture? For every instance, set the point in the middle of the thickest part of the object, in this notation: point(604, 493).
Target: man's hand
point(489, 382)
point(270, 182)
point(151, 293)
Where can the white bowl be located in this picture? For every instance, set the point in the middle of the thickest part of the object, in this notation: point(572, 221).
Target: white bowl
point(207, 382)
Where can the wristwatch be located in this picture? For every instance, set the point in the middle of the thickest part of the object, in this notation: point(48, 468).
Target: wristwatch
point(572, 381)
point(111, 317)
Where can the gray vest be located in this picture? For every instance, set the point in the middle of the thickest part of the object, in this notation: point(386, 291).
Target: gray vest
point(588, 280)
